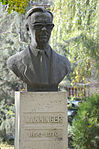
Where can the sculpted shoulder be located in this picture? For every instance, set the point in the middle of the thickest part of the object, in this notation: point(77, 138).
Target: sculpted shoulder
point(15, 63)
point(16, 59)
point(13, 60)
point(62, 62)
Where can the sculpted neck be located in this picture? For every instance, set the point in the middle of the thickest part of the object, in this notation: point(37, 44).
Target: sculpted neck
point(41, 46)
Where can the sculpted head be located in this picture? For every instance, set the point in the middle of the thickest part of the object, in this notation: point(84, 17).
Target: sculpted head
point(39, 25)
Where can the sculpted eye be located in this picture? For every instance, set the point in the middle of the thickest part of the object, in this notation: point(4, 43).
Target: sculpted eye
point(50, 26)
point(38, 26)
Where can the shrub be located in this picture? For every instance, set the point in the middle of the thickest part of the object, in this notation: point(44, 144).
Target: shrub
point(7, 122)
point(86, 124)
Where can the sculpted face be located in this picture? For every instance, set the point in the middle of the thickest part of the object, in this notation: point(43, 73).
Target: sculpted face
point(40, 28)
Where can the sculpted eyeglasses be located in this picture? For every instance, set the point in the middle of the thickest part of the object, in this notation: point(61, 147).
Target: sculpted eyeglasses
point(39, 26)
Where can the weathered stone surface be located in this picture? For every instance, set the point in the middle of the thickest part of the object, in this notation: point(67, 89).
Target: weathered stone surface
point(41, 120)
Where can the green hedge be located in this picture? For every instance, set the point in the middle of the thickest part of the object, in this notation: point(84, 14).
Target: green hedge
point(86, 124)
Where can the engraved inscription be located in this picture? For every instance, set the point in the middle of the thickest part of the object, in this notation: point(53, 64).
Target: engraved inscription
point(48, 134)
point(30, 117)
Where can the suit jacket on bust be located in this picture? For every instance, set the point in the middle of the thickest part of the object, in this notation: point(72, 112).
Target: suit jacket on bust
point(40, 71)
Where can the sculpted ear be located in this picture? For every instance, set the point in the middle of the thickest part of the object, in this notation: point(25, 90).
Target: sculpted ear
point(27, 27)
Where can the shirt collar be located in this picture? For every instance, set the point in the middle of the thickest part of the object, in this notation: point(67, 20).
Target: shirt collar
point(36, 52)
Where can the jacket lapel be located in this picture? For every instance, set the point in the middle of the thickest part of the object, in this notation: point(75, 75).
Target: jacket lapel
point(29, 70)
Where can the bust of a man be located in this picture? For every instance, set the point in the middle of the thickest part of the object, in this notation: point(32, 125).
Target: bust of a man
point(41, 68)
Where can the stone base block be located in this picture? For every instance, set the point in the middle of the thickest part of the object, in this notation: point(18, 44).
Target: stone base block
point(41, 120)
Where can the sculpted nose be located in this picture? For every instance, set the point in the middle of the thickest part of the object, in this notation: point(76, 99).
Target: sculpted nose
point(44, 28)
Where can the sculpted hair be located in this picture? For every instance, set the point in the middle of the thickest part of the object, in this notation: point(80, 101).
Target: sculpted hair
point(34, 10)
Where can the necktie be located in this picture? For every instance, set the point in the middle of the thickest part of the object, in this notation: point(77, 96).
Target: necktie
point(43, 70)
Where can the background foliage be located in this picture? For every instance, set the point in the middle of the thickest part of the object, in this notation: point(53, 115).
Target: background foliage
point(76, 35)
point(86, 124)
point(9, 45)
point(15, 5)
point(7, 122)
point(20, 6)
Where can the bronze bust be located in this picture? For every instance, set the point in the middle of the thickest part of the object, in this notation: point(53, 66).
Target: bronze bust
point(41, 68)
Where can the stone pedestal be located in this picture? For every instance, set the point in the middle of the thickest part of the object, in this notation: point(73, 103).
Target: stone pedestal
point(41, 120)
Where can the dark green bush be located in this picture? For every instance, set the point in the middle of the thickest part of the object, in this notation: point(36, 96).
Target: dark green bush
point(86, 124)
